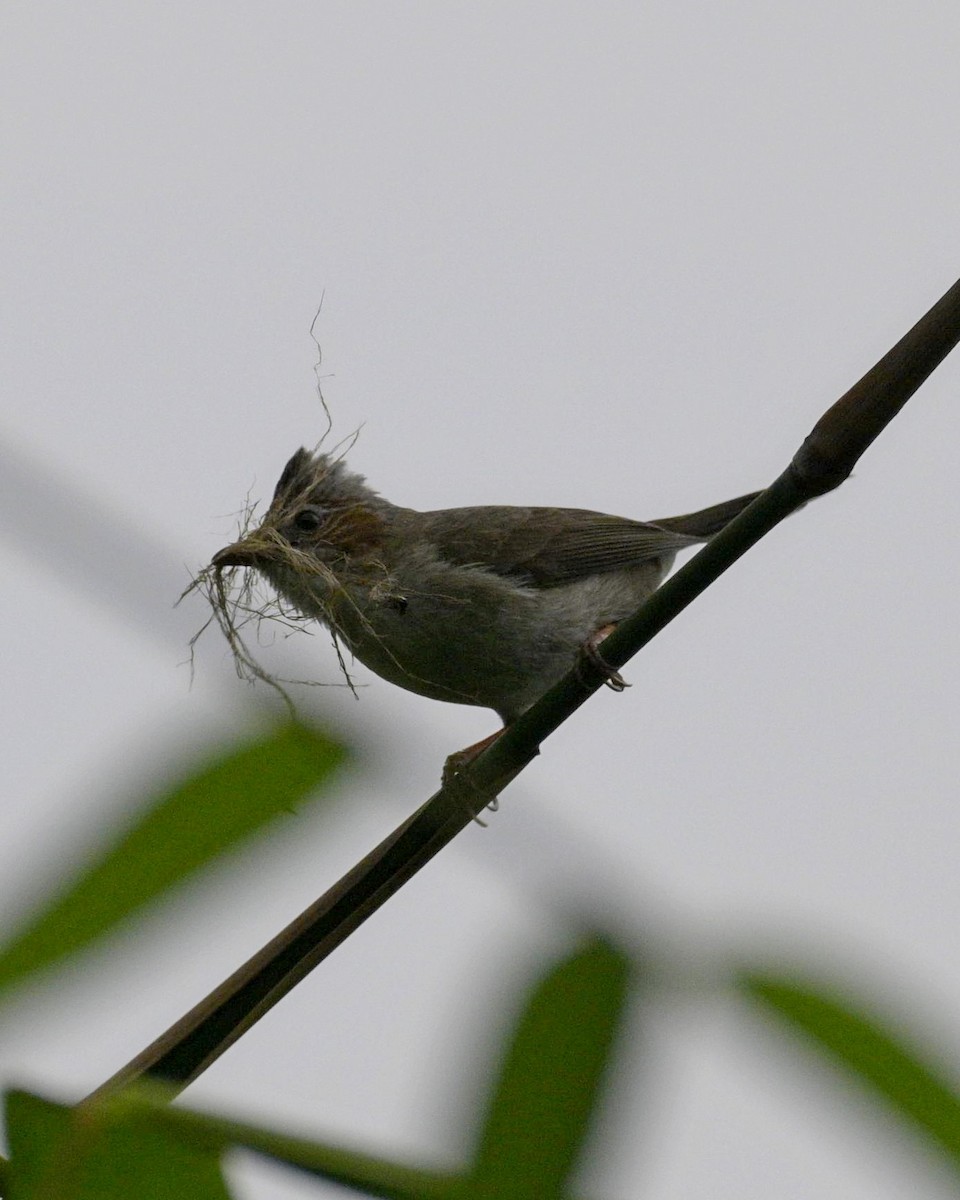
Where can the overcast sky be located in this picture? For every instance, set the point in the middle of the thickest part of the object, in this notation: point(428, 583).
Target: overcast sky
point(611, 256)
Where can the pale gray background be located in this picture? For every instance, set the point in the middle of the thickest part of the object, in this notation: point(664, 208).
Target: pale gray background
point(614, 256)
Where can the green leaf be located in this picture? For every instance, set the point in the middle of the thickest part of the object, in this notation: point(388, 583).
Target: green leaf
point(549, 1082)
point(35, 1129)
point(41, 1134)
point(363, 1172)
point(186, 827)
point(60, 1153)
point(875, 1056)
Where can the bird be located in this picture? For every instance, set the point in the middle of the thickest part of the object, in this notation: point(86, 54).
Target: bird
point(485, 606)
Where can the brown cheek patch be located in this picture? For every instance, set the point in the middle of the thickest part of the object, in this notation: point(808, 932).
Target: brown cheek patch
point(354, 530)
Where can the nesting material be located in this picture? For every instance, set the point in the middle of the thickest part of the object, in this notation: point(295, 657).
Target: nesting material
point(241, 601)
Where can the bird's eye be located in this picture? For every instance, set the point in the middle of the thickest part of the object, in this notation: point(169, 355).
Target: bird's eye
point(308, 519)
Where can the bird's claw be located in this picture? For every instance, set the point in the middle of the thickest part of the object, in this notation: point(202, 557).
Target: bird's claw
point(590, 656)
point(460, 785)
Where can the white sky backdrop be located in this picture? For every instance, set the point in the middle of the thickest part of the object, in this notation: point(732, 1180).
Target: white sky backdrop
point(611, 256)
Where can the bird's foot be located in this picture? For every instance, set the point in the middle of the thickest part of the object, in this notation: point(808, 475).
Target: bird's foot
point(458, 784)
point(590, 657)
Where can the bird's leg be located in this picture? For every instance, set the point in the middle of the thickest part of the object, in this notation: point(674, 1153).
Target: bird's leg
point(455, 763)
point(589, 655)
point(459, 759)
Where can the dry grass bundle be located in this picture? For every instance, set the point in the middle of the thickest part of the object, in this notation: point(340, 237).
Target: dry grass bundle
point(240, 599)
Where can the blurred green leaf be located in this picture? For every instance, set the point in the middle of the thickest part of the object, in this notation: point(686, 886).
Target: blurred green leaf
point(60, 1153)
point(55, 1147)
point(188, 826)
point(549, 1082)
point(873, 1055)
point(34, 1130)
point(362, 1172)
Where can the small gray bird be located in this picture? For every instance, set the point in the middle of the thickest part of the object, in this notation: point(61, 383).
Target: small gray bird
point(487, 606)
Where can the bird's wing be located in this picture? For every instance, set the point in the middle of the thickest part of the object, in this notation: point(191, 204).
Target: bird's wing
point(547, 546)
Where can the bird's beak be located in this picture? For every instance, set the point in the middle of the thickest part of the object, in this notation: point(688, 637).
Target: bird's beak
point(238, 555)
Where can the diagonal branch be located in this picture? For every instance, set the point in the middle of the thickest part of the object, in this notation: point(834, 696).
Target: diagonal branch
point(825, 459)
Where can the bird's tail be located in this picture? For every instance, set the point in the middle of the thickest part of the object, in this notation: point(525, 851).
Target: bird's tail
point(708, 521)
